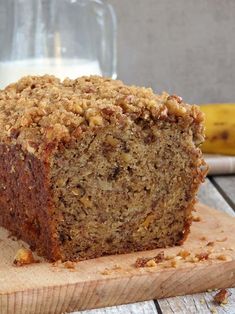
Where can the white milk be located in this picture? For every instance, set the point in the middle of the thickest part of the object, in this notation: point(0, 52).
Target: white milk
point(11, 71)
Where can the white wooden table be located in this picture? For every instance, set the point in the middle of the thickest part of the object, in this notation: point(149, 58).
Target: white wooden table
point(217, 192)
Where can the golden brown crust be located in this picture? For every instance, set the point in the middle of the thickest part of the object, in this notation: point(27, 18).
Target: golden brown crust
point(27, 209)
point(37, 111)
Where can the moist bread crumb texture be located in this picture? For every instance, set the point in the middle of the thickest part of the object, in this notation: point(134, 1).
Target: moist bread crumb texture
point(92, 167)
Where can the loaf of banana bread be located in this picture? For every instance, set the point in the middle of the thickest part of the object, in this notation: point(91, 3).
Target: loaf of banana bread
point(92, 167)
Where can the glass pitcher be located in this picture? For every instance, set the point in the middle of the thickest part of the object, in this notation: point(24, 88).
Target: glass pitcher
point(66, 38)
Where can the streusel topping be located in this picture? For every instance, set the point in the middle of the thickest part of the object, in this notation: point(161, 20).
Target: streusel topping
point(42, 109)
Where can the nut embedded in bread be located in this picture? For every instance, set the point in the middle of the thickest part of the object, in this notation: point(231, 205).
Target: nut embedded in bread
point(92, 167)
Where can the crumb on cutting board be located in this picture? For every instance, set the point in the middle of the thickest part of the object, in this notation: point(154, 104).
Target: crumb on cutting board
point(223, 257)
point(24, 257)
point(213, 310)
point(184, 255)
point(202, 256)
point(59, 266)
point(221, 297)
point(202, 301)
point(56, 264)
point(196, 218)
point(109, 271)
point(175, 262)
point(149, 261)
point(69, 265)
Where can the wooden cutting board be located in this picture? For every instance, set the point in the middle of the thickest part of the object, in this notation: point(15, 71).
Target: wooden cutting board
point(44, 288)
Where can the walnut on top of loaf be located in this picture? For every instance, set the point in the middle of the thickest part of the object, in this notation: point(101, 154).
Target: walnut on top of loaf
point(38, 110)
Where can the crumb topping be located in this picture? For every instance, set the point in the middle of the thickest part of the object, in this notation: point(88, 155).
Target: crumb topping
point(39, 110)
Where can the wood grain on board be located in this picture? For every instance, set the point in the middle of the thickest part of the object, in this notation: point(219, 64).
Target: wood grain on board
point(111, 280)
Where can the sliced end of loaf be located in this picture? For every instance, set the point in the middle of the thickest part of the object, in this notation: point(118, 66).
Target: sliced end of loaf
point(125, 188)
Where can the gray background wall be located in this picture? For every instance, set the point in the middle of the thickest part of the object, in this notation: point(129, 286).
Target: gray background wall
point(182, 46)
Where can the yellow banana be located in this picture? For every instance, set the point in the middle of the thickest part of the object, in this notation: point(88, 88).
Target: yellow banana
point(220, 128)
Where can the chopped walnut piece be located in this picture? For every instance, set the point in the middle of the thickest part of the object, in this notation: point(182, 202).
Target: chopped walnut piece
point(24, 257)
point(175, 97)
point(175, 263)
point(223, 257)
point(159, 257)
point(69, 265)
point(96, 121)
point(221, 297)
point(197, 218)
point(151, 263)
point(143, 261)
point(202, 256)
point(108, 111)
point(183, 253)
